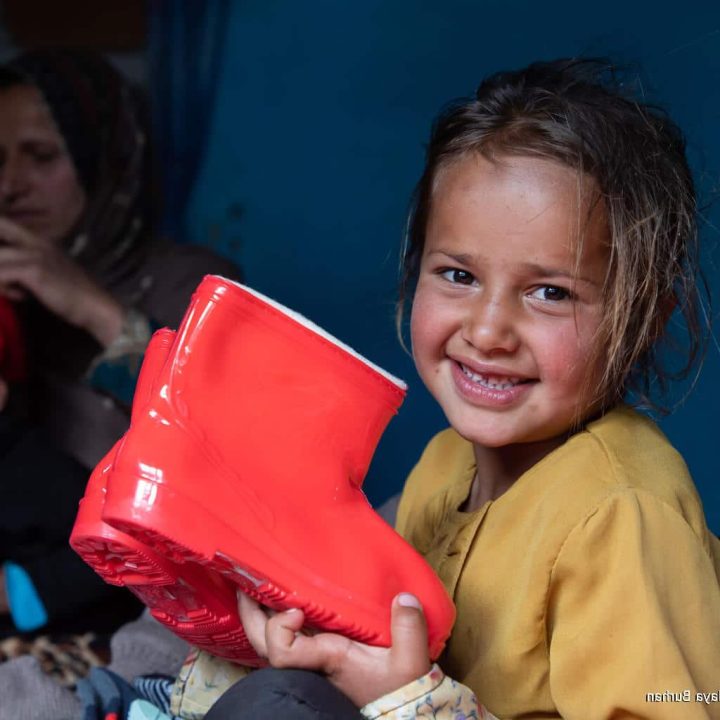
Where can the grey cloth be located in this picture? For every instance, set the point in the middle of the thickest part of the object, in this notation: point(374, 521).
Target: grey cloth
point(142, 647)
point(26, 693)
point(145, 647)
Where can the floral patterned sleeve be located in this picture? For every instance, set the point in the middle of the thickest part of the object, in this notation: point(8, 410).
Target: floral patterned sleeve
point(432, 696)
point(203, 678)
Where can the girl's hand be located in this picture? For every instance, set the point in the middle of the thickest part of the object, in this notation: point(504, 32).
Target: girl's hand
point(29, 264)
point(362, 672)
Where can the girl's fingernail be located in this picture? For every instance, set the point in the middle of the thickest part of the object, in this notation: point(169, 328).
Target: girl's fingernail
point(292, 610)
point(408, 600)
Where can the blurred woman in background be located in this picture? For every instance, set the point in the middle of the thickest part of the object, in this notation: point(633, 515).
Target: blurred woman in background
point(90, 282)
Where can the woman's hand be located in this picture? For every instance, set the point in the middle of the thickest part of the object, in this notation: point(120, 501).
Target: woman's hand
point(29, 264)
point(362, 672)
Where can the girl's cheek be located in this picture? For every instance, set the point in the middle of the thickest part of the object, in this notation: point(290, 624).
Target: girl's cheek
point(424, 336)
point(420, 317)
point(430, 313)
point(564, 354)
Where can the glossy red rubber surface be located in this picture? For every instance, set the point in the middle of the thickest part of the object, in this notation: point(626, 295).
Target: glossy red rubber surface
point(247, 461)
point(197, 604)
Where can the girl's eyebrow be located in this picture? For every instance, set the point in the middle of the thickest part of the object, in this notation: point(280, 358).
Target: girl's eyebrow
point(460, 258)
point(535, 269)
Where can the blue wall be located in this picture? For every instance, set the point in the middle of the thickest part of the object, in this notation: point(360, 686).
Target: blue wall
point(317, 140)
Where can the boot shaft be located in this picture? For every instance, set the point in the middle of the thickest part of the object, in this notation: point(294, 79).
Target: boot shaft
point(156, 355)
point(248, 459)
point(266, 387)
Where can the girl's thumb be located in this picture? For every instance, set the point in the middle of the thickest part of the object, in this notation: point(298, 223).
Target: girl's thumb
point(409, 630)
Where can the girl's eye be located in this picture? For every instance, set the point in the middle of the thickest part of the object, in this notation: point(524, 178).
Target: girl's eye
point(551, 293)
point(457, 277)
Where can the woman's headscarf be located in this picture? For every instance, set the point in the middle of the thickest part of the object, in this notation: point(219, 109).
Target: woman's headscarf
point(102, 119)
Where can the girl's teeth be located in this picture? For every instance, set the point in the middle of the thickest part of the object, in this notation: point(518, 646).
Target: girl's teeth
point(490, 382)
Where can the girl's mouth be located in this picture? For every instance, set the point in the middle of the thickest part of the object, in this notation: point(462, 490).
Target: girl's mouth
point(489, 389)
point(493, 382)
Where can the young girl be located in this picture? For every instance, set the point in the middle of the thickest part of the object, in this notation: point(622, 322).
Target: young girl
point(552, 235)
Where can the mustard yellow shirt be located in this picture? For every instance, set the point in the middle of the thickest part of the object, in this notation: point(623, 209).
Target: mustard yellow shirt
point(589, 589)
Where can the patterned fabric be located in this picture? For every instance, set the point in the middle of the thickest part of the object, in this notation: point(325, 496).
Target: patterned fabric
point(64, 659)
point(156, 689)
point(432, 696)
point(203, 678)
point(107, 696)
point(141, 647)
point(134, 336)
point(116, 369)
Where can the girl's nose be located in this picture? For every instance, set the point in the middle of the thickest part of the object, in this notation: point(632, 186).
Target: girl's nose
point(491, 326)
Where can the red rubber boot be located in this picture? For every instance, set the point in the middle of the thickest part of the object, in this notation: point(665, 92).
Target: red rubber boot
point(118, 558)
point(249, 459)
point(194, 602)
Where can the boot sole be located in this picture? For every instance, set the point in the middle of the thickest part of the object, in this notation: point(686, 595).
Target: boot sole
point(330, 609)
point(164, 588)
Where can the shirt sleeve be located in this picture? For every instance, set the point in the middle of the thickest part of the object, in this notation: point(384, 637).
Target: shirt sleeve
point(633, 616)
point(203, 678)
point(431, 696)
point(115, 370)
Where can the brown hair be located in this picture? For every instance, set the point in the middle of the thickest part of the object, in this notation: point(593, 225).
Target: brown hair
point(573, 112)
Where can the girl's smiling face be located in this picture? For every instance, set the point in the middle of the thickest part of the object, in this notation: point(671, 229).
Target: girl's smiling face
point(505, 318)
